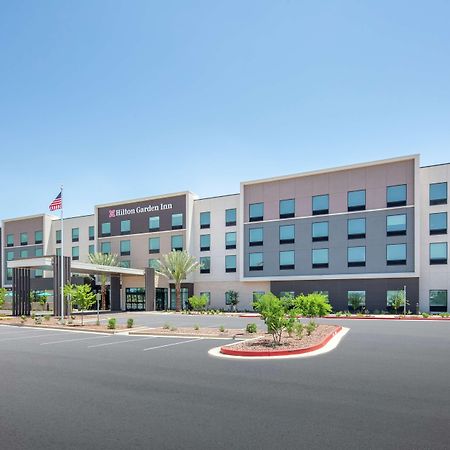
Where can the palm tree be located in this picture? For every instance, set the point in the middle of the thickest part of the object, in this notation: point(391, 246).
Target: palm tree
point(104, 259)
point(177, 266)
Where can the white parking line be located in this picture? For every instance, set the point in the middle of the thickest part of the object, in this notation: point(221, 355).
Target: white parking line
point(175, 343)
point(74, 340)
point(26, 337)
point(122, 341)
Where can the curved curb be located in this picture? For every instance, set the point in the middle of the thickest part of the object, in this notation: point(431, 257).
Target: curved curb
point(417, 319)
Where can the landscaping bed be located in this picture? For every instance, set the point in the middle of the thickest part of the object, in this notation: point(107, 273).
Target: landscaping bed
point(200, 332)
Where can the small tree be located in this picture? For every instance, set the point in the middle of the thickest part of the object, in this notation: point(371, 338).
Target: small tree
point(356, 300)
point(233, 299)
point(397, 300)
point(80, 295)
point(3, 293)
point(312, 305)
point(198, 302)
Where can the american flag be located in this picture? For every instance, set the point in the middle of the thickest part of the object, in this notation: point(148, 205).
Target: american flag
point(56, 204)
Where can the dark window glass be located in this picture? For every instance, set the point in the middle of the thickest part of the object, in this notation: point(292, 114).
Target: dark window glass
point(105, 247)
point(287, 260)
point(256, 212)
point(287, 234)
point(396, 195)
point(320, 204)
point(438, 223)
point(396, 254)
point(153, 223)
point(438, 194)
point(58, 236)
point(125, 226)
point(256, 261)
point(75, 234)
point(287, 208)
point(320, 231)
point(205, 242)
point(177, 243)
point(205, 219)
point(205, 264)
point(106, 229)
point(438, 253)
point(75, 253)
point(177, 221)
point(38, 237)
point(356, 200)
point(230, 263)
point(153, 245)
point(356, 256)
point(396, 225)
point(319, 258)
point(356, 228)
point(10, 240)
point(438, 300)
point(125, 248)
point(23, 238)
point(255, 236)
point(91, 233)
point(230, 240)
point(230, 217)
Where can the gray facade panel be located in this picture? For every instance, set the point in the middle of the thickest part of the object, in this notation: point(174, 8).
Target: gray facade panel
point(338, 242)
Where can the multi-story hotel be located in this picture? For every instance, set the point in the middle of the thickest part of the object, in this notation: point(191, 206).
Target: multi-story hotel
point(374, 228)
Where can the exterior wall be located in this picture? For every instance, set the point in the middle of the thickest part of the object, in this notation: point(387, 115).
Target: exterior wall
point(433, 276)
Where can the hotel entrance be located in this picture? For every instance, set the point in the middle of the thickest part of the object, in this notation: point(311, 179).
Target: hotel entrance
point(135, 299)
point(161, 299)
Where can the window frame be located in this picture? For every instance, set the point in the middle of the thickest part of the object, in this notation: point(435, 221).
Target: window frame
point(255, 243)
point(255, 218)
point(127, 229)
point(438, 201)
point(230, 223)
point(396, 203)
point(356, 263)
point(438, 261)
point(286, 215)
point(397, 232)
point(286, 266)
point(320, 238)
point(397, 262)
point(151, 250)
point(320, 212)
point(205, 248)
point(233, 268)
point(320, 265)
point(204, 226)
point(357, 207)
point(435, 231)
point(175, 218)
point(259, 267)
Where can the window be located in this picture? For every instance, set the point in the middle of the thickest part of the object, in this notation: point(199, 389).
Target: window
point(153, 245)
point(256, 261)
point(391, 295)
point(58, 251)
point(438, 300)
point(287, 208)
point(396, 225)
point(438, 194)
point(125, 263)
point(205, 242)
point(75, 253)
point(230, 263)
point(288, 294)
point(438, 253)
point(91, 233)
point(396, 254)
point(10, 240)
point(23, 238)
point(356, 228)
point(207, 295)
point(39, 252)
point(287, 260)
point(105, 248)
point(153, 263)
point(230, 217)
point(125, 248)
point(75, 234)
point(58, 236)
point(319, 231)
point(24, 253)
point(255, 237)
point(91, 249)
point(177, 242)
point(9, 274)
point(9, 256)
point(320, 258)
point(287, 234)
point(256, 212)
point(230, 240)
point(38, 237)
point(205, 264)
point(438, 223)
point(177, 221)
point(38, 273)
point(256, 295)
point(396, 195)
point(353, 297)
point(356, 200)
point(356, 256)
point(320, 204)
point(205, 219)
point(106, 229)
point(153, 223)
point(125, 226)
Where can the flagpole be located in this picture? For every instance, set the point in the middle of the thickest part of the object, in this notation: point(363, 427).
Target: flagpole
point(62, 256)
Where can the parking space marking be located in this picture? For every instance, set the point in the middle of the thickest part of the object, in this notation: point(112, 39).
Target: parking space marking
point(74, 340)
point(137, 339)
point(26, 337)
point(170, 345)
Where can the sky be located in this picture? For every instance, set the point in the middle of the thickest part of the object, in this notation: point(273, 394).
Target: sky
point(119, 100)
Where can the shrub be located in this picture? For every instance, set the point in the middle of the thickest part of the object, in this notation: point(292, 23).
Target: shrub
point(23, 319)
point(173, 328)
point(198, 302)
point(312, 305)
point(311, 327)
point(130, 323)
point(38, 320)
point(445, 314)
point(425, 315)
point(222, 329)
point(356, 300)
point(196, 327)
point(166, 326)
point(339, 313)
point(33, 315)
point(232, 298)
point(251, 328)
point(47, 317)
point(112, 323)
point(298, 329)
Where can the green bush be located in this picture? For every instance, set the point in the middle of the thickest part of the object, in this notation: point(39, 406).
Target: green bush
point(23, 319)
point(198, 302)
point(311, 327)
point(112, 323)
point(173, 328)
point(196, 327)
point(298, 329)
point(425, 315)
point(222, 329)
point(47, 317)
point(445, 314)
point(251, 328)
point(38, 320)
point(130, 323)
point(166, 326)
point(312, 305)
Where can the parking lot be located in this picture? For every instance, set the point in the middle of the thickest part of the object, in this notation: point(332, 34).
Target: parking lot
point(385, 386)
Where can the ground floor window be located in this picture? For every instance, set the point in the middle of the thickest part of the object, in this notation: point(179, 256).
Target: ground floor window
point(135, 299)
point(287, 294)
point(184, 298)
point(356, 299)
point(256, 295)
point(393, 295)
point(438, 300)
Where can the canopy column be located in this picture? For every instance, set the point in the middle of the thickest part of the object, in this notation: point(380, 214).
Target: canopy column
point(21, 305)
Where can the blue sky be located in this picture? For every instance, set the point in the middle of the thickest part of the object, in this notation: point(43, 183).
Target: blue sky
point(125, 99)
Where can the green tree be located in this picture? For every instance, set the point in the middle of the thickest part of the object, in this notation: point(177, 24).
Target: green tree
point(397, 301)
point(312, 305)
point(198, 302)
point(356, 300)
point(80, 295)
point(233, 298)
point(104, 259)
point(176, 266)
point(3, 293)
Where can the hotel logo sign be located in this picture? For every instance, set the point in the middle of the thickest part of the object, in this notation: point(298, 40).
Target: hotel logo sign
point(139, 210)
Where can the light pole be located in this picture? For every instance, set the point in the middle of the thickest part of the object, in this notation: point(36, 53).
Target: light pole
point(97, 296)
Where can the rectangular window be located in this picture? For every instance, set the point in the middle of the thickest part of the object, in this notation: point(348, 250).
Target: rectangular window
point(356, 256)
point(58, 236)
point(91, 249)
point(438, 253)
point(256, 295)
point(356, 297)
point(153, 263)
point(205, 242)
point(396, 254)
point(125, 226)
point(356, 228)
point(24, 253)
point(438, 300)
point(256, 261)
point(10, 240)
point(230, 217)
point(396, 195)
point(256, 212)
point(319, 258)
point(230, 240)
point(287, 234)
point(205, 264)
point(106, 229)
point(287, 208)
point(287, 260)
point(9, 256)
point(9, 274)
point(396, 225)
point(177, 221)
point(91, 233)
point(438, 194)
point(39, 252)
point(356, 200)
point(391, 295)
point(125, 263)
point(125, 248)
point(105, 248)
point(255, 237)
point(153, 223)
point(288, 294)
point(230, 263)
point(38, 237)
point(58, 251)
point(153, 245)
point(177, 242)
point(319, 231)
point(75, 234)
point(320, 204)
point(23, 238)
point(38, 273)
point(75, 253)
point(438, 223)
point(205, 219)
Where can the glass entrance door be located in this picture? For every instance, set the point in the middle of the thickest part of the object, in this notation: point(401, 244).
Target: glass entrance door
point(184, 298)
point(161, 299)
point(135, 299)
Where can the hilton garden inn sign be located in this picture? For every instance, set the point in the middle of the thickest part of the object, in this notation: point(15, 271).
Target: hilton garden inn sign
point(139, 209)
